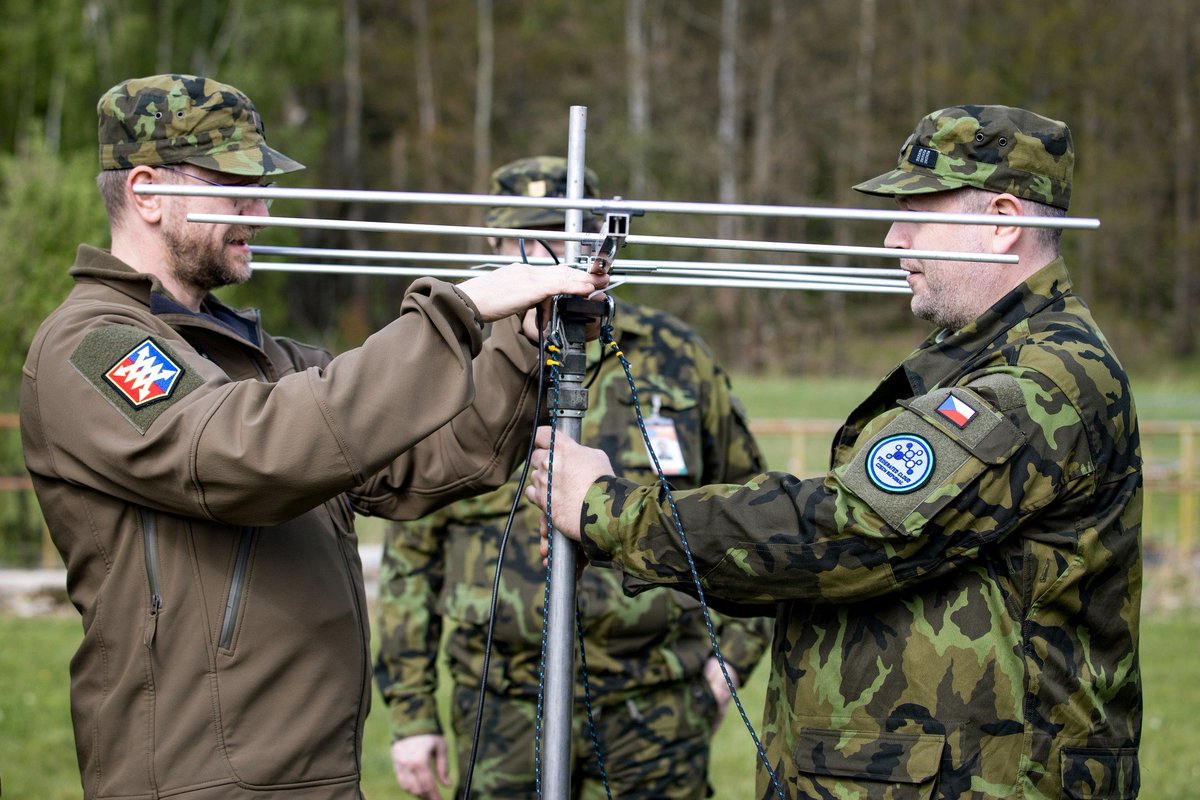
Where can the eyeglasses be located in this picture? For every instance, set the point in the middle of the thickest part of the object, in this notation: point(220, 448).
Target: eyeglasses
point(238, 202)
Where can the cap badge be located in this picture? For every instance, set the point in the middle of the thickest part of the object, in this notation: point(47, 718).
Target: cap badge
point(923, 156)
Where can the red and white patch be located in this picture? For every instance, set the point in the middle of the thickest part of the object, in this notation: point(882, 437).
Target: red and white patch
point(956, 411)
point(145, 374)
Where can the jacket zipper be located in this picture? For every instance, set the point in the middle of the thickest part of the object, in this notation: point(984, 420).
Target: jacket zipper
point(237, 584)
point(234, 600)
point(364, 651)
point(149, 536)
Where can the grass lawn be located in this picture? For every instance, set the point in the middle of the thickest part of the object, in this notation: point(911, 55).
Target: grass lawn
point(1161, 394)
point(37, 756)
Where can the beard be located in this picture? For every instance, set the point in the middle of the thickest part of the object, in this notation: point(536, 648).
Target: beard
point(944, 303)
point(198, 262)
point(955, 292)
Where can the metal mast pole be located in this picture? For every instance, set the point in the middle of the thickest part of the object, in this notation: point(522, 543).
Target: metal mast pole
point(560, 624)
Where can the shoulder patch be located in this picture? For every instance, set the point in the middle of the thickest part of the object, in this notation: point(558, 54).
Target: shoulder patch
point(924, 458)
point(957, 411)
point(137, 373)
point(900, 463)
point(144, 375)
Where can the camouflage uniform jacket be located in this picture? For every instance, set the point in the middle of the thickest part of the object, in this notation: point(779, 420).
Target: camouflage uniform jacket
point(958, 598)
point(442, 567)
point(208, 531)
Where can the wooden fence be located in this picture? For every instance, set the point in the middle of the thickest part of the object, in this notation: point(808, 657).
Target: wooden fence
point(1169, 451)
point(801, 446)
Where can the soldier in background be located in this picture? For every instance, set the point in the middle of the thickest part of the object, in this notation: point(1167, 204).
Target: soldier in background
point(957, 599)
point(657, 692)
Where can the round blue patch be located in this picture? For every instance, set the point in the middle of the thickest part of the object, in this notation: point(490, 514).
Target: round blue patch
point(901, 463)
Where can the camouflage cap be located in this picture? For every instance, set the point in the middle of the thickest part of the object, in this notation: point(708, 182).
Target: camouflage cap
point(537, 176)
point(995, 148)
point(176, 119)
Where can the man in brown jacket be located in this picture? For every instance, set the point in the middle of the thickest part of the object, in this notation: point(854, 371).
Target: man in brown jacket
point(200, 477)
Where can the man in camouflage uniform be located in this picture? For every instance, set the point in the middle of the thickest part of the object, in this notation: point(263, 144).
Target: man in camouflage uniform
point(200, 476)
point(655, 687)
point(957, 599)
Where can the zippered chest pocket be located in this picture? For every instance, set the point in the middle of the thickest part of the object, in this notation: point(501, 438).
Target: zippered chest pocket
point(153, 579)
point(237, 588)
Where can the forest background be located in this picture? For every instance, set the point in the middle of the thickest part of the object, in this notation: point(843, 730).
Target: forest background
point(786, 102)
point(754, 101)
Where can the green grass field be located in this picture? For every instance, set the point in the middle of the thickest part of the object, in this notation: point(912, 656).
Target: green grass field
point(37, 756)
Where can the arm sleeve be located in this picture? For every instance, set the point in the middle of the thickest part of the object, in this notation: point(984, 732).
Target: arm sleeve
point(411, 576)
point(843, 537)
point(731, 454)
point(477, 450)
point(255, 453)
point(743, 641)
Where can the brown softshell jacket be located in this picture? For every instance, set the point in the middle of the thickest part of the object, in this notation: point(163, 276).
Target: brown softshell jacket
point(208, 532)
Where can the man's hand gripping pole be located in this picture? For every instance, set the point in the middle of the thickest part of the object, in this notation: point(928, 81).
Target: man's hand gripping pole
point(571, 319)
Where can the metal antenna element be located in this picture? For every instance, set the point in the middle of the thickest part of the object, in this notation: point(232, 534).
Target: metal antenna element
point(569, 326)
point(599, 238)
point(633, 207)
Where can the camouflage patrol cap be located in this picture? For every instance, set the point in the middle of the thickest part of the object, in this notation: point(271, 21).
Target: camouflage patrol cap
point(995, 148)
point(176, 119)
point(537, 176)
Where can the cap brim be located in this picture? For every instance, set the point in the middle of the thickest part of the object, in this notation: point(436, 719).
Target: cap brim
point(526, 218)
point(281, 162)
point(256, 160)
point(902, 182)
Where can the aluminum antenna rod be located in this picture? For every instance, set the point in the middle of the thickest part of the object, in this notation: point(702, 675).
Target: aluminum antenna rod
point(483, 258)
point(733, 279)
point(558, 651)
point(577, 236)
point(616, 204)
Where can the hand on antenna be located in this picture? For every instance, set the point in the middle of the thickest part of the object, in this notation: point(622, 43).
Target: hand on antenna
point(517, 287)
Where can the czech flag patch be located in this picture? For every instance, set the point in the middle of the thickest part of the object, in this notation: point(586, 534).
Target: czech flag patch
point(956, 411)
point(145, 374)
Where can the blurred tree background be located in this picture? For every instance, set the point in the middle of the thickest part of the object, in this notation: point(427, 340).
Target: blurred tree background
point(755, 101)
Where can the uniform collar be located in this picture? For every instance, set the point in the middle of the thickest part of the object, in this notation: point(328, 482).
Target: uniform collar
point(945, 354)
point(101, 265)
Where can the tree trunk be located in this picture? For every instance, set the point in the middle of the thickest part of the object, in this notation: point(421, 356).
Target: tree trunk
point(728, 113)
point(854, 144)
point(639, 95)
point(1182, 148)
point(728, 144)
point(427, 116)
point(357, 323)
point(225, 36)
point(164, 50)
point(764, 327)
point(485, 70)
point(352, 116)
point(54, 110)
point(762, 161)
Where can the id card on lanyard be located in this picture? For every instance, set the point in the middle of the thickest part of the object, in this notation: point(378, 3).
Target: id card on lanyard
point(664, 440)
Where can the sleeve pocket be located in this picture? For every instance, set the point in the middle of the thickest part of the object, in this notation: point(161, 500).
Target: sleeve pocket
point(1100, 773)
point(864, 762)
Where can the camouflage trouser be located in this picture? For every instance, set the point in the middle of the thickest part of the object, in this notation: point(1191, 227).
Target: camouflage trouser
point(654, 745)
